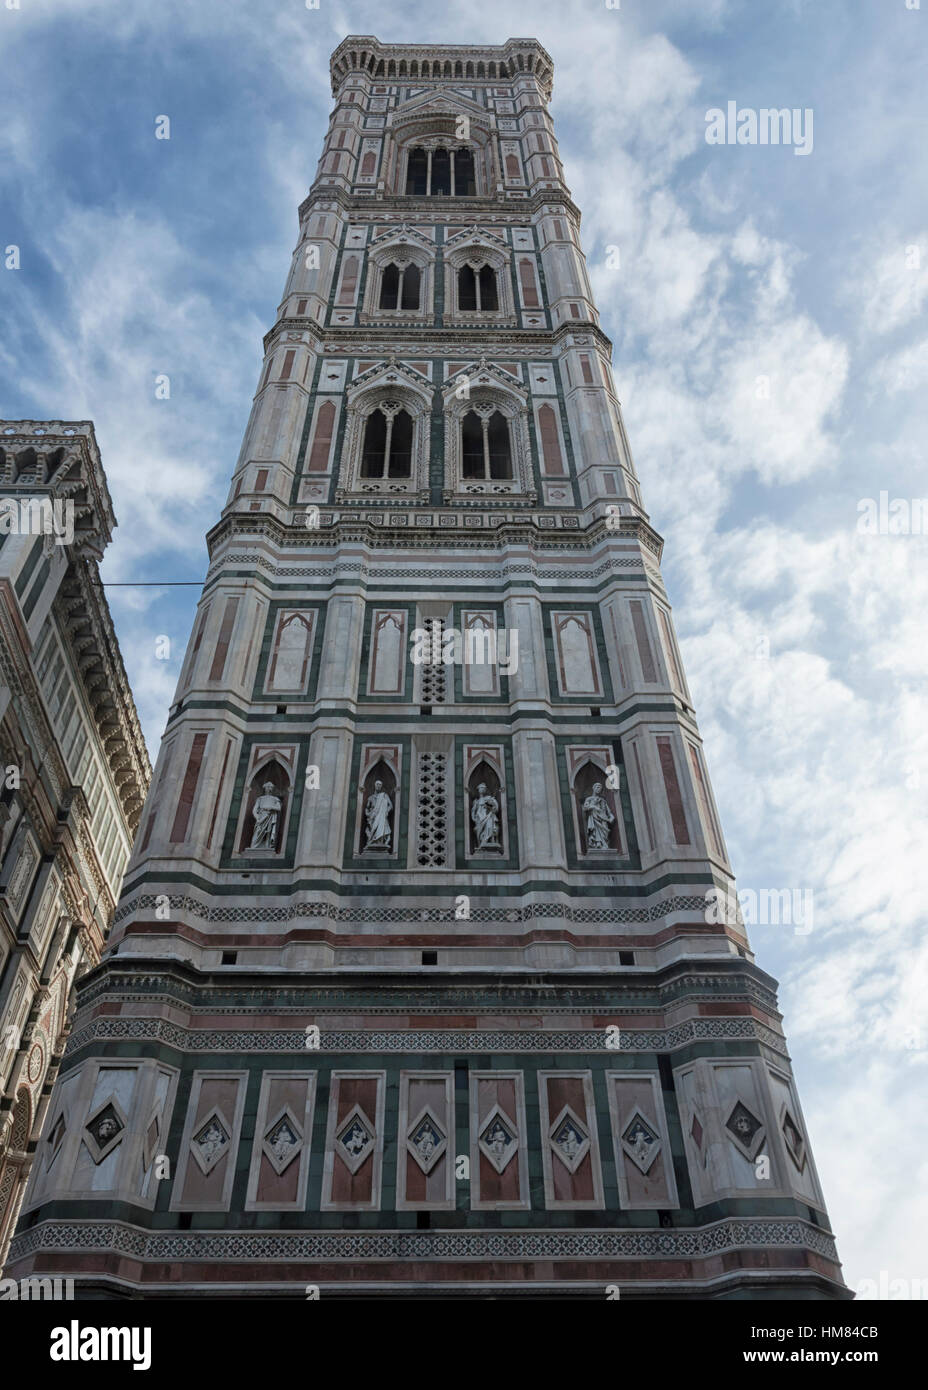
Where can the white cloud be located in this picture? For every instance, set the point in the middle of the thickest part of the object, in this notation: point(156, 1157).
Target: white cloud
point(893, 284)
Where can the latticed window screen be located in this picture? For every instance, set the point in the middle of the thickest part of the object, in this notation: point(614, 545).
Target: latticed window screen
point(432, 813)
point(434, 688)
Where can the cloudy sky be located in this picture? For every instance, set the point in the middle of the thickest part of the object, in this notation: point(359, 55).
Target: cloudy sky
point(771, 356)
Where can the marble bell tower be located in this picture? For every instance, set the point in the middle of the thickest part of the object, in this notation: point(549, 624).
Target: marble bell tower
point(413, 989)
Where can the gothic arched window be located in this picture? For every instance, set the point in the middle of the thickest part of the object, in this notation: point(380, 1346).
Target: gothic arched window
point(486, 446)
point(477, 290)
point(387, 448)
point(465, 180)
point(400, 286)
point(417, 172)
point(441, 172)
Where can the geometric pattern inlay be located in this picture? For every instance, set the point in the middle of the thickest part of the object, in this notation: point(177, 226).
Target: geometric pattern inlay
point(439, 1040)
point(423, 1245)
point(205, 912)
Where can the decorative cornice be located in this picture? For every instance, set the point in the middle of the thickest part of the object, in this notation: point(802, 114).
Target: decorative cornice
point(420, 1042)
point(409, 205)
point(364, 55)
point(410, 1246)
point(479, 529)
point(60, 459)
point(418, 340)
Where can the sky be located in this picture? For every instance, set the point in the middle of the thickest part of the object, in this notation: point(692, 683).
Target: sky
point(770, 353)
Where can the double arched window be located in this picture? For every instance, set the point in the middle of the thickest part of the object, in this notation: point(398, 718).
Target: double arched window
point(486, 446)
point(477, 291)
point(441, 172)
point(400, 286)
point(386, 451)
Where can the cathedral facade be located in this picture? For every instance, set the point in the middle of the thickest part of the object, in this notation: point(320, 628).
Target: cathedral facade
point(414, 988)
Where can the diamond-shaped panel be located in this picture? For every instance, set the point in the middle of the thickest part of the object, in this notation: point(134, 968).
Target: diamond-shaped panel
point(641, 1142)
point(426, 1140)
point(745, 1129)
point(498, 1139)
point(354, 1140)
point(569, 1139)
point(211, 1141)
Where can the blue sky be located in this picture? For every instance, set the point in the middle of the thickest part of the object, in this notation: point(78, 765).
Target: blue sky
point(804, 640)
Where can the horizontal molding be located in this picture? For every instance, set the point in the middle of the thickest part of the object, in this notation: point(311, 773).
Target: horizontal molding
point(332, 911)
point(416, 1041)
point(79, 1237)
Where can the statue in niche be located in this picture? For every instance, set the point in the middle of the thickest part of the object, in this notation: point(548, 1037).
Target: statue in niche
point(425, 1144)
point(356, 1140)
point(641, 1142)
point(377, 819)
point(266, 812)
point(484, 813)
point(569, 1141)
point(211, 1141)
point(497, 1140)
point(598, 818)
point(282, 1142)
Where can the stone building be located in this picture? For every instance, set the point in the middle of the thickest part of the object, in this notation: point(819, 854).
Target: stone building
point(73, 766)
point(413, 985)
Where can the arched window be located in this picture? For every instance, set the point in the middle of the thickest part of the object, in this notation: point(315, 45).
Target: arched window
point(467, 289)
point(441, 172)
point(399, 288)
point(387, 448)
point(486, 289)
point(486, 447)
point(465, 181)
point(477, 290)
point(417, 172)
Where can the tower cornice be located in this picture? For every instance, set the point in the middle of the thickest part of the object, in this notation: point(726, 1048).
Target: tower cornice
point(411, 207)
point(365, 55)
point(433, 341)
point(343, 524)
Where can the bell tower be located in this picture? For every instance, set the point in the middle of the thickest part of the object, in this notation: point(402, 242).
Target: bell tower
point(424, 976)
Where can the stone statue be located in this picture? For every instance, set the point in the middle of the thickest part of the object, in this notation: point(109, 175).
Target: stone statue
point(569, 1141)
point(377, 819)
point(266, 812)
point(497, 1140)
point(355, 1140)
point(641, 1143)
point(425, 1144)
point(485, 815)
point(283, 1141)
point(599, 818)
point(211, 1141)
